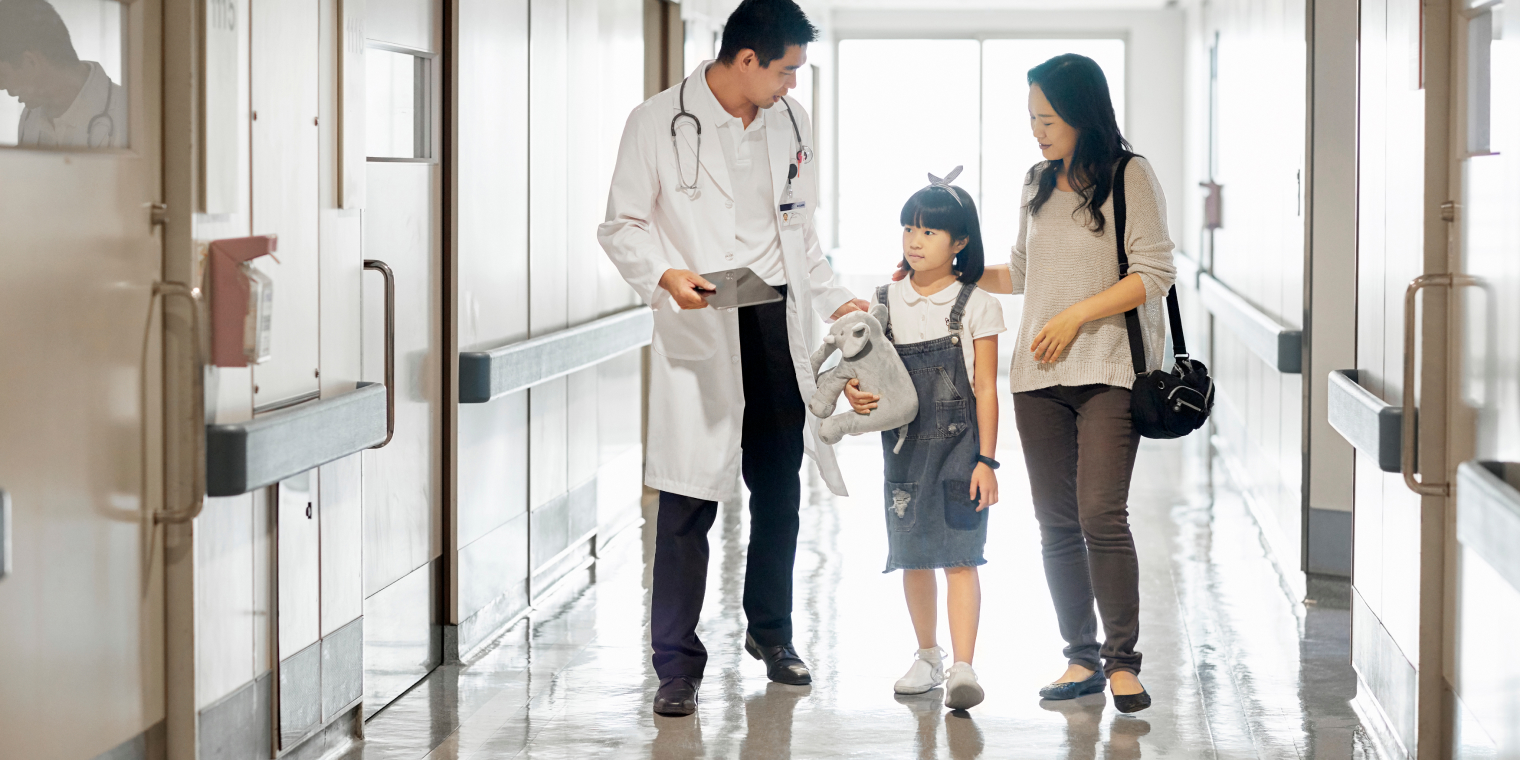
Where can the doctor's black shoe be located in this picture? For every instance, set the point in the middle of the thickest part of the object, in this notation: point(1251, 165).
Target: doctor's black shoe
point(1073, 689)
point(677, 696)
point(782, 664)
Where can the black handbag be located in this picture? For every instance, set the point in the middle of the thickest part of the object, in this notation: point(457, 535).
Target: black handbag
point(1161, 404)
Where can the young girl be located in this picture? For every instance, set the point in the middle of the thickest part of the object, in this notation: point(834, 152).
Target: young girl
point(939, 484)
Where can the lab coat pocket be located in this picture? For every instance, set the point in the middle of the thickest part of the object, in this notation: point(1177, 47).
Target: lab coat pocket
point(687, 335)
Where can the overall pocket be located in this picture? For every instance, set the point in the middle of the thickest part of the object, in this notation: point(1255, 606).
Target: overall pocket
point(960, 509)
point(902, 507)
point(936, 391)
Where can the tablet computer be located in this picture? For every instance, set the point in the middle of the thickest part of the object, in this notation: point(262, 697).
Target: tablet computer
point(738, 287)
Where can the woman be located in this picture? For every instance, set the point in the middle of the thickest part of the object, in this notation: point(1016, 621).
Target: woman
point(1071, 388)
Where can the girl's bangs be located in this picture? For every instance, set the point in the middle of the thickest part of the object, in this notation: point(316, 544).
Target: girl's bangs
point(933, 208)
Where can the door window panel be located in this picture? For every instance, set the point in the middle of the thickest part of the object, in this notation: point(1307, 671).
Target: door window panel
point(396, 104)
point(62, 74)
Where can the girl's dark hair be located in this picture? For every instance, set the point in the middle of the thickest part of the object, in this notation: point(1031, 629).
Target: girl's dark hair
point(1078, 91)
point(933, 208)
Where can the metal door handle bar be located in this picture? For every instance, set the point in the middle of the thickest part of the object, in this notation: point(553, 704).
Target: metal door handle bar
point(390, 346)
point(1407, 437)
point(1488, 515)
point(1279, 346)
point(197, 405)
point(484, 375)
point(1374, 427)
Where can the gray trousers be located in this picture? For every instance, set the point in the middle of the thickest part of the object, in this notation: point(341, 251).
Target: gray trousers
point(1079, 446)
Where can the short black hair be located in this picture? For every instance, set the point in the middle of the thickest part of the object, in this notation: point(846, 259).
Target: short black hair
point(767, 27)
point(933, 208)
point(34, 25)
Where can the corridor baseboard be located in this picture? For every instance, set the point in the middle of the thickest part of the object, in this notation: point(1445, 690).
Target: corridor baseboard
point(1329, 542)
point(237, 726)
point(148, 745)
point(1386, 681)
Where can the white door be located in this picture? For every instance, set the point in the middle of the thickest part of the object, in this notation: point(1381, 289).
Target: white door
point(1484, 425)
point(82, 638)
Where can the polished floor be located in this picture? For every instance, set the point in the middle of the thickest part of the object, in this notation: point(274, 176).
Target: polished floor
point(1237, 669)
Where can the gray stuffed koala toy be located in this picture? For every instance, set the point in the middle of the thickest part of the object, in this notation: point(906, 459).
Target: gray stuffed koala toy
point(868, 356)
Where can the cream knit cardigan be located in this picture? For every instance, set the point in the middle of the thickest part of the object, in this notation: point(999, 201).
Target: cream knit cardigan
point(1058, 261)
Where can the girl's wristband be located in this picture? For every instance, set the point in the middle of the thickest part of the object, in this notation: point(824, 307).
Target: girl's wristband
point(989, 461)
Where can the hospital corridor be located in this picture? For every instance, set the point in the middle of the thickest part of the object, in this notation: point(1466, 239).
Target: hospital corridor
point(478, 379)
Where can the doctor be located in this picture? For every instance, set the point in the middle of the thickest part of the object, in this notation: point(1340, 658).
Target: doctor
point(711, 175)
point(69, 103)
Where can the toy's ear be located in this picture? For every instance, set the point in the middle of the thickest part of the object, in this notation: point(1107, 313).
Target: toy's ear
point(879, 310)
point(855, 341)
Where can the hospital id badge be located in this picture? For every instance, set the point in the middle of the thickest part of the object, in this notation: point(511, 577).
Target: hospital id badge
point(793, 215)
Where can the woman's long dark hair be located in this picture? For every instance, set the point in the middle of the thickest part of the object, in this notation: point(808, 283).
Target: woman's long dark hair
point(1078, 91)
point(934, 208)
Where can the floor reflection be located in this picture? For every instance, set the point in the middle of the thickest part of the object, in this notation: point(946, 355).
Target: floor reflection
point(1237, 669)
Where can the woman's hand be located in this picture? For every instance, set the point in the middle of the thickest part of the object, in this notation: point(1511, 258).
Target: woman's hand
point(1057, 334)
point(901, 271)
point(860, 401)
point(984, 484)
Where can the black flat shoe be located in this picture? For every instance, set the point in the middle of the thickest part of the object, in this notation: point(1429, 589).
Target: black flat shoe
point(782, 664)
point(1073, 689)
point(677, 696)
point(1132, 703)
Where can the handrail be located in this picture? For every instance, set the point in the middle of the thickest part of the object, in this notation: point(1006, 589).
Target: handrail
point(485, 375)
point(243, 456)
point(197, 405)
point(1368, 423)
point(390, 346)
point(1188, 268)
point(1488, 516)
point(1279, 346)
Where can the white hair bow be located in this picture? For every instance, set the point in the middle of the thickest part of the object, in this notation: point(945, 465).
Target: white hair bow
point(944, 184)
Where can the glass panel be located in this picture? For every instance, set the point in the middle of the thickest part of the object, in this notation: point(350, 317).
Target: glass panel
point(396, 105)
point(62, 71)
point(1008, 148)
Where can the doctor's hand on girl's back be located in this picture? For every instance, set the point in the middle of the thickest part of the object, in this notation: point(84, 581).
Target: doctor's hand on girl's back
point(689, 290)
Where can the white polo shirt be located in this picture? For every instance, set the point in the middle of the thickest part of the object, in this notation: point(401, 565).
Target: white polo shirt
point(917, 318)
point(747, 155)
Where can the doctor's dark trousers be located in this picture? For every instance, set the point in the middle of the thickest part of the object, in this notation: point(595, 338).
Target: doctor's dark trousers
point(771, 460)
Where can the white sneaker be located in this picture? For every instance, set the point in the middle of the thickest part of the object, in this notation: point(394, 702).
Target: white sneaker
point(962, 692)
point(927, 672)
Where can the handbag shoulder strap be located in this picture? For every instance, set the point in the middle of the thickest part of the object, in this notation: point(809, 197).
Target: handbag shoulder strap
point(1132, 317)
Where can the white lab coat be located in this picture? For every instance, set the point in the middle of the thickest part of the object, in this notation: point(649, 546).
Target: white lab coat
point(696, 391)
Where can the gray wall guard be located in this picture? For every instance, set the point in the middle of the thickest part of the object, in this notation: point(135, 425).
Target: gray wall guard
point(1488, 515)
point(484, 375)
point(1277, 345)
point(271, 447)
point(1362, 418)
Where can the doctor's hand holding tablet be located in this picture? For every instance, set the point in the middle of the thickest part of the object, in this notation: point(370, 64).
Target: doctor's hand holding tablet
point(739, 287)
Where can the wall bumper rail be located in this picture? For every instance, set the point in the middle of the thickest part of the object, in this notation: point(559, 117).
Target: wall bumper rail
point(485, 375)
point(1276, 344)
point(1375, 428)
point(1488, 514)
point(271, 447)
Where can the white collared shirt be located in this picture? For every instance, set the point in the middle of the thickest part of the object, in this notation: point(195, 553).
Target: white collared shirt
point(96, 119)
point(917, 318)
point(757, 235)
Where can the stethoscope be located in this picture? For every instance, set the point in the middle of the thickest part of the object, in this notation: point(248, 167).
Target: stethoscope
point(104, 117)
point(804, 153)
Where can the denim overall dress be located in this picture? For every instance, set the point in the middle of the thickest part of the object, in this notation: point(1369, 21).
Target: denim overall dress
point(931, 520)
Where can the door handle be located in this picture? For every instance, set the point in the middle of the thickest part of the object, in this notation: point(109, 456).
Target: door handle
point(390, 347)
point(1407, 437)
point(197, 403)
